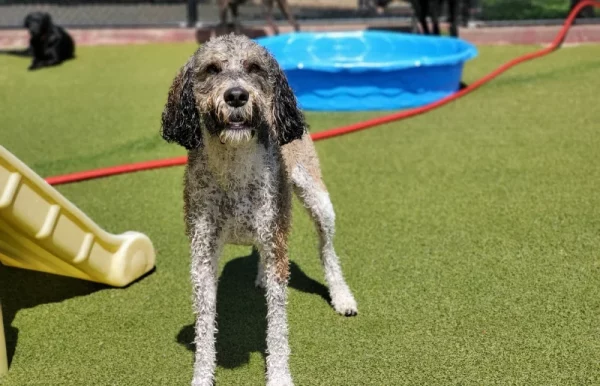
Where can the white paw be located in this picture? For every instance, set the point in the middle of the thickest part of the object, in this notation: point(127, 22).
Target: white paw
point(282, 380)
point(343, 302)
point(202, 382)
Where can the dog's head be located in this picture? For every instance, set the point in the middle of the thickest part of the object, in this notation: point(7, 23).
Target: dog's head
point(38, 23)
point(233, 89)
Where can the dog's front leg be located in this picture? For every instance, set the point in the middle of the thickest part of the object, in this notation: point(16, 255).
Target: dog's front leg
point(206, 246)
point(276, 274)
point(35, 64)
point(51, 59)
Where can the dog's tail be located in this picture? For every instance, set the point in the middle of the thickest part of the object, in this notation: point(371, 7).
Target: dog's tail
point(23, 52)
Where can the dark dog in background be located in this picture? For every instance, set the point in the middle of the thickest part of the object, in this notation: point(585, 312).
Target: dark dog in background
point(268, 5)
point(49, 44)
point(433, 9)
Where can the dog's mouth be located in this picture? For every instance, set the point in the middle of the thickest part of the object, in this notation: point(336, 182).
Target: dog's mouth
point(236, 131)
point(235, 127)
point(237, 124)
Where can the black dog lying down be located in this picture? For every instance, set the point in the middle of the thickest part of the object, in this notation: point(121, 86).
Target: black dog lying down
point(49, 44)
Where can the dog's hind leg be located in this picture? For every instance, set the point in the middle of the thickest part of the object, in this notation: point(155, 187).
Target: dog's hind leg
point(27, 52)
point(236, 20)
point(206, 247)
point(285, 9)
point(421, 8)
point(223, 7)
point(268, 10)
point(436, 11)
point(260, 276)
point(453, 14)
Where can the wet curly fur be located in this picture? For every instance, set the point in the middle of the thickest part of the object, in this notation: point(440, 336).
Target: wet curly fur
point(248, 148)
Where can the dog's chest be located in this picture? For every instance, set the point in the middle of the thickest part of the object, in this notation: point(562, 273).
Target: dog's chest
point(245, 212)
point(249, 208)
point(242, 194)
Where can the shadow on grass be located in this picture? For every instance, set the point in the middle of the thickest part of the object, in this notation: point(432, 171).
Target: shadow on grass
point(20, 289)
point(242, 311)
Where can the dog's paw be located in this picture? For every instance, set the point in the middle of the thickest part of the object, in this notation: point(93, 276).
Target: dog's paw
point(202, 382)
point(343, 302)
point(198, 383)
point(283, 380)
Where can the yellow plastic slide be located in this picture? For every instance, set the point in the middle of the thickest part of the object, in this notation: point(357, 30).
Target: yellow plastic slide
point(43, 231)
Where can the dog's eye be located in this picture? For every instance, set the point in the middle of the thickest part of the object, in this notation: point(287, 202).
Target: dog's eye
point(253, 68)
point(212, 69)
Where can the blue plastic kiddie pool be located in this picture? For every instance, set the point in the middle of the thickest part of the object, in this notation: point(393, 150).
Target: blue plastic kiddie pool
point(369, 70)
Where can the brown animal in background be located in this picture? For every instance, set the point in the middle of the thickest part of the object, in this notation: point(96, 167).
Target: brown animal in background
point(268, 4)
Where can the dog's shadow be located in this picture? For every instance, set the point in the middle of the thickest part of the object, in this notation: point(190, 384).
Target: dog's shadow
point(21, 288)
point(242, 310)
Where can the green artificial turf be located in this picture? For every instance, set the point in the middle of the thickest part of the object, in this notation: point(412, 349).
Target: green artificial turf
point(470, 235)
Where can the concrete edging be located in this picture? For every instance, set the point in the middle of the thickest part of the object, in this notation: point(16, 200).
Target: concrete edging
point(482, 36)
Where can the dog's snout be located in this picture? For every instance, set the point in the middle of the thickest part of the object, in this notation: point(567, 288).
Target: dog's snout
point(236, 97)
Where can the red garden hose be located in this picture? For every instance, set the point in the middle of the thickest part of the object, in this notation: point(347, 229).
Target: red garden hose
point(147, 165)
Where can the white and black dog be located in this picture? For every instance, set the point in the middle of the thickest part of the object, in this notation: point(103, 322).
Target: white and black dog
point(248, 146)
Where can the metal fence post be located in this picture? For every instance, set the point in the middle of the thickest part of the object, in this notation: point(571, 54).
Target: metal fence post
point(192, 13)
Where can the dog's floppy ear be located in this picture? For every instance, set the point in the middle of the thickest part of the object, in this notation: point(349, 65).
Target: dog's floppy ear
point(287, 116)
point(27, 21)
point(46, 20)
point(180, 118)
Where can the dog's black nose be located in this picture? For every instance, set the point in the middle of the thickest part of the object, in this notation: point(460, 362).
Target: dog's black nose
point(236, 97)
